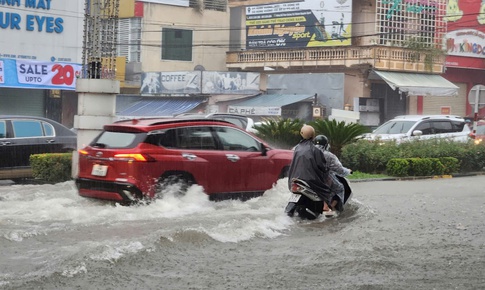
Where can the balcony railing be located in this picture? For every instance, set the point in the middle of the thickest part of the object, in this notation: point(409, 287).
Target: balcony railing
point(378, 57)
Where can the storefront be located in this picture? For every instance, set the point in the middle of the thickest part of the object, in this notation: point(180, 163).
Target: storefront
point(465, 47)
point(40, 56)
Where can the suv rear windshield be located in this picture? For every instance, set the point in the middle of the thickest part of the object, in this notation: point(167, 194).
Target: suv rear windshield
point(109, 139)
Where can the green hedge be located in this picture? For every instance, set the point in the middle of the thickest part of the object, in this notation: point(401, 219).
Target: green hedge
point(422, 166)
point(373, 156)
point(52, 167)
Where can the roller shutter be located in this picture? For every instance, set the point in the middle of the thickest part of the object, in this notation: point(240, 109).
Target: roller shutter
point(432, 105)
point(22, 102)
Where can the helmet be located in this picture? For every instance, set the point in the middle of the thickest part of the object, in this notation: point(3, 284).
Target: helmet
point(321, 140)
point(307, 132)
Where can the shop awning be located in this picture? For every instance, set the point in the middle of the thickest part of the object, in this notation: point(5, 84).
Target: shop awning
point(418, 84)
point(160, 107)
point(266, 105)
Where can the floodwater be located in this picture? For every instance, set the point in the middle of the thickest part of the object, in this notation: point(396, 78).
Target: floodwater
point(421, 234)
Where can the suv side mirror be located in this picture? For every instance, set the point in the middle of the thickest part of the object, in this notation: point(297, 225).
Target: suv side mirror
point(417, 133)
point(264, 149)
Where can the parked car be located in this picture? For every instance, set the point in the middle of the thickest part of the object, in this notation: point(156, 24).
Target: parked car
point(412, 127)
point(241, 121)
point(132, 160)
point(479, 134)
point(22, 136)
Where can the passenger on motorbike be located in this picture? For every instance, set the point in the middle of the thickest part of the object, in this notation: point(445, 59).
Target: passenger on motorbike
point(335, 167)
point(309, 165)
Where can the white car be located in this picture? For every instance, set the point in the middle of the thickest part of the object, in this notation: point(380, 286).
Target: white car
point(412, 127)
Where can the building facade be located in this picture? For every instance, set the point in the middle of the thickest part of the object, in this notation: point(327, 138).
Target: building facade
point(465, 61)
point(40, 53)
point(391, 52)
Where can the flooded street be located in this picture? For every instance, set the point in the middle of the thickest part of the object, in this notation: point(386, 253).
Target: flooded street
point(421, 234)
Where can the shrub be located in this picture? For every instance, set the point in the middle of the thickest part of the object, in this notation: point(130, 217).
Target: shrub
point(398, 167)
point(373, 156)
point(52, 167)
point(450, 164)
point(368, 156)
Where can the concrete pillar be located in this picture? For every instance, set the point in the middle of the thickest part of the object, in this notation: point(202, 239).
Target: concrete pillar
point(96, 108)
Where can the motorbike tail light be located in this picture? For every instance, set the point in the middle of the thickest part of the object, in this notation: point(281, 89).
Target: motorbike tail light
point(82, 152)
point(134, 157)
point(295, 187)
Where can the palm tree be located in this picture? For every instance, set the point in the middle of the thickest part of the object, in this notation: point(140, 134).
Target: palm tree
point(338, 133)
point(281, 133)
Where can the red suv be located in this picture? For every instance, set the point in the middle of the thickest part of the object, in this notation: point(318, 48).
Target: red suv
point(135, 159)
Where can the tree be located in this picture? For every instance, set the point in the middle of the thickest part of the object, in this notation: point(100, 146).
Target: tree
point(338, 133)
point(281, 133)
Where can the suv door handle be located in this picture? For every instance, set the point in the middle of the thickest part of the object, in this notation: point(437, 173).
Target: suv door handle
point(6, 143)
point(189, 156)
point(50, 141)
point(232, 157)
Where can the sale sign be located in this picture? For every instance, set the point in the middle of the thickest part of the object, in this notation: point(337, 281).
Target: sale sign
point(1, 72)
point(47, 73)
point(16, 73)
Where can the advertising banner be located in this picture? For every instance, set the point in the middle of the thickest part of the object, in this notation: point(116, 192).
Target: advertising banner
point(309, 23)
point(465, 40)
point(230, 83)
point(38, 75)
point(182, 82)
point(197, 82)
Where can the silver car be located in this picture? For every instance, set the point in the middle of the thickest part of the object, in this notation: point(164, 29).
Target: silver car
point(412, 127)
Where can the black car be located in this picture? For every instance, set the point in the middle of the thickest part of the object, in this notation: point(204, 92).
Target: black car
point(22, 136)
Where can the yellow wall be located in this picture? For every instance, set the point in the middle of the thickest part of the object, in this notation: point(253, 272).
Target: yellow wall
point(127, 8)
point(210, 37)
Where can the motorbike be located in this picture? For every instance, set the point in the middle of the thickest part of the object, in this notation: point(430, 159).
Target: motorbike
point(307, 204)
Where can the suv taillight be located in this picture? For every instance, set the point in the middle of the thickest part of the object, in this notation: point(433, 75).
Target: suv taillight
point(295, 187)
point(134, 157)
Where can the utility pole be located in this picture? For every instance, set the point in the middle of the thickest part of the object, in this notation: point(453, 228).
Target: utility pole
point(97, 88)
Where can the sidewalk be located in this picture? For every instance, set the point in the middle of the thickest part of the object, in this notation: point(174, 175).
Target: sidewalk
point(391, 178)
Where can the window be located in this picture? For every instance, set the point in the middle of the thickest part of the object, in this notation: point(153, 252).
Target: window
point(198, 138)
point(176, 44)
point(457, 126)
point(395, 127)
point(27, 128)
point(442, 127)
point(218, 5)
point(236, 140)
point(117, 140)
point(3, 130)
point(425, 127)
point(48, 129)
point(129, 37)
point(402, 23)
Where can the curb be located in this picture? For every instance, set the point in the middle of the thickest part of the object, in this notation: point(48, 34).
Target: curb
point(420, 177)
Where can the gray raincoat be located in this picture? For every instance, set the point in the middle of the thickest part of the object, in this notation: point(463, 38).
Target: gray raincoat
point(309, 165)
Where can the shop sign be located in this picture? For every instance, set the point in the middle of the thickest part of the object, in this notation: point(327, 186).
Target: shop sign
point(40, 75)
point(255, 111)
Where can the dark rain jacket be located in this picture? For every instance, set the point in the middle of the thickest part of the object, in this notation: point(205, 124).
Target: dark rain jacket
point(309, 165)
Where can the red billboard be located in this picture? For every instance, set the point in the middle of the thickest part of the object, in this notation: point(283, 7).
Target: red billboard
point(465, 39)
